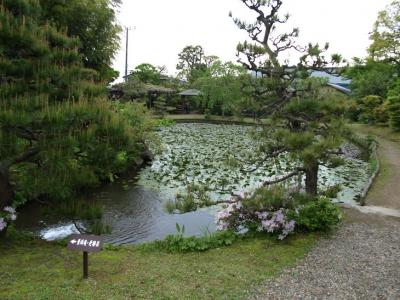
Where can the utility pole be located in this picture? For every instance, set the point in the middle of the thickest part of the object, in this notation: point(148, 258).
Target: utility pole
point(126, 53)
point(127, 50)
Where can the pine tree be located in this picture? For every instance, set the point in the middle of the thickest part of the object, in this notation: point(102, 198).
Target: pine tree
point(56, 135)
point(307, 122)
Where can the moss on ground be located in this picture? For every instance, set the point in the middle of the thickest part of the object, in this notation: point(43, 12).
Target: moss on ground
point(40, 270)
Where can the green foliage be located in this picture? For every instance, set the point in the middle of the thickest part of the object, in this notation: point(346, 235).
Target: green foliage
point(394, 112)
point(160, 106)
point(332, 192)
point(50, 106)
point(371, 78)
point(372, 110)
point(318, 215)
point(164, 123)
point(269, 199)
point(192, 63)
point(94, 23)
point(147, 73)
point(222, 88)
point(385, 36)
point(180, 243)
point(394, 89)
point(307, 123)
point(196, 196)
point(376, 80)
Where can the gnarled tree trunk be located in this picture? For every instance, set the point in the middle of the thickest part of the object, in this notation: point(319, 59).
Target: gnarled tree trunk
point(312, 179)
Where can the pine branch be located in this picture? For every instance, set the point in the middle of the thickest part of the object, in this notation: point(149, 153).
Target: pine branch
point(287, 177)
point(268, 156)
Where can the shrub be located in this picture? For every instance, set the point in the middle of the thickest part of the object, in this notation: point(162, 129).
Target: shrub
point(164, 123)
point(279, 212)
point(372, 110)
point(265, 211)
point(318, 215)
point(180, 243)
point(394, 112)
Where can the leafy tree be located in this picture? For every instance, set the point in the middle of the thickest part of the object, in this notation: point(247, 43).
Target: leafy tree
point(372, 110)
point(147, 73)
point(371, 77)
point(56, 135)
point(193, 62)
point(94, 23)
point(222, 88)
point(375, 80)
point(386, 35)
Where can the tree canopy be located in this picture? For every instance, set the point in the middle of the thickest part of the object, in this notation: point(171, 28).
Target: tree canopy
point(223, 88)
point(375, 79)
point(147, 73)
point(386, 35)
point(193, 62)
point(57, 135)
point(94, 23)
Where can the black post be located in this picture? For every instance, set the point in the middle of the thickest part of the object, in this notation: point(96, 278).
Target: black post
point(85, 265)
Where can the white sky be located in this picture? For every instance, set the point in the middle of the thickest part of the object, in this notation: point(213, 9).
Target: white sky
point(165, 27)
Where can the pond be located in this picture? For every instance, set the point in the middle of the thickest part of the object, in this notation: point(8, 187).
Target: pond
point(225, 158)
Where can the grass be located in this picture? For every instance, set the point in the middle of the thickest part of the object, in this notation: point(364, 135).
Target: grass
point(201, 118)
point(39, 270)
point(379, 131)
point(385, 172)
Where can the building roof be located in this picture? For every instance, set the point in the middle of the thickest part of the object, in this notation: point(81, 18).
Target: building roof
point(340, 88)
point(191, 92)
point(158, 89)
point(332, 78)
point(335, 81)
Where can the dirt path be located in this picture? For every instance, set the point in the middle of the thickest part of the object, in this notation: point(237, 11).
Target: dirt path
point(386, 190)
point(362, 259)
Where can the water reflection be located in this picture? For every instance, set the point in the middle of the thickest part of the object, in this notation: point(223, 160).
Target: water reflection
point(138, 215)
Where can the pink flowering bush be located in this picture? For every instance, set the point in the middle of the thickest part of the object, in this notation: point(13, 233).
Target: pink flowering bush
point(265, 211)
point(236, 217)
point(278, 212)
point(7, 216)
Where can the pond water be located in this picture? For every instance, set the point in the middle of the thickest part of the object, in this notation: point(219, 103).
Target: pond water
point(225, 158)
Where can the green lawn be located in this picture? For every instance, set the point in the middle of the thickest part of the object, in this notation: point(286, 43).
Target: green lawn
point(39, 270)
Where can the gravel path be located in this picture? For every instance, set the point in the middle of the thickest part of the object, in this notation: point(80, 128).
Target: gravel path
point(361, 261)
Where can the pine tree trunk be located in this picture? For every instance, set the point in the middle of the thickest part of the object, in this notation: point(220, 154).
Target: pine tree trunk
point(312, 179)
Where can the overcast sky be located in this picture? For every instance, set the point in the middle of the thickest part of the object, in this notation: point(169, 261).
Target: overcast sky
point(165, 27)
